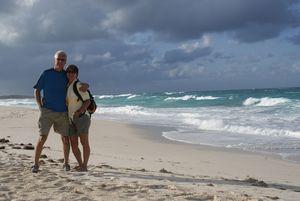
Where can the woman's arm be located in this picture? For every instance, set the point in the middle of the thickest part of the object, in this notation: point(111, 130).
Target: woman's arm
point(83, 108)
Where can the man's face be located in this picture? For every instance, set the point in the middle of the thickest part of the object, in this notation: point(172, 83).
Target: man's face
point(60, 62)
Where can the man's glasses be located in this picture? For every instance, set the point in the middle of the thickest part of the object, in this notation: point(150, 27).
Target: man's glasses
point(60, 59)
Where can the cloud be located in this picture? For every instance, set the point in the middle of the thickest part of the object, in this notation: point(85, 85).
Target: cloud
point(295, 39)
point(257, 32)
point(189, 52)
point(28, 3)
point(221, 55)
point(64, 21)
point(296, 67)
point(190, 19)
point(123, 45)
point(181, 55)
point(7, 7)
point(54, 21)
point(186, 71)
point(8, 35)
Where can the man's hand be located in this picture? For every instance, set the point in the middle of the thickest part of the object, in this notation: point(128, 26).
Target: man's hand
point(84, 87)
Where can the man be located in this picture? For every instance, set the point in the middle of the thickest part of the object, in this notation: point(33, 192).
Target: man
point(53, 109)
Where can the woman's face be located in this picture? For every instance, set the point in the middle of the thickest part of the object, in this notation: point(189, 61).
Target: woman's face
point(71, 75)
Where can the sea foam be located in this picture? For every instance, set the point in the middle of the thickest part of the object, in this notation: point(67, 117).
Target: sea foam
point(265, 102)
point(189, 97)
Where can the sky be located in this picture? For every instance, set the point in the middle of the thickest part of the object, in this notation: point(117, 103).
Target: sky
point(135, 46)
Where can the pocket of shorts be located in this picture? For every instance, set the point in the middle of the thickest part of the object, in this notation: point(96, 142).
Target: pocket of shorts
point(44, 110)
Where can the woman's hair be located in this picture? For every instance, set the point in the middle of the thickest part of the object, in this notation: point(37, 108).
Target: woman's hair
point(73, 68)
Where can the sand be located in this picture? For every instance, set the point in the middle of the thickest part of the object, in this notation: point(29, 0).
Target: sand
point(130, 162)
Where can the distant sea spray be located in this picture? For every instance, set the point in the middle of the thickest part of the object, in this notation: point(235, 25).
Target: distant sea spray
point(17, 100)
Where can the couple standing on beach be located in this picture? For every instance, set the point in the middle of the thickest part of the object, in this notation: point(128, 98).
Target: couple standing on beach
point(60, 107)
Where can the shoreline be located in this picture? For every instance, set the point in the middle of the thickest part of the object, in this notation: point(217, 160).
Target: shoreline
point(156, 135)
point(288, 156)
point(133, 160)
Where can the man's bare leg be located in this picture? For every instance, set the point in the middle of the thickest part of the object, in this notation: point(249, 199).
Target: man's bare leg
point(66, 148)
point(39, 147)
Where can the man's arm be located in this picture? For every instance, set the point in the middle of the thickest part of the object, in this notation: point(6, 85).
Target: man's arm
point(84, 87)
point(38, 97)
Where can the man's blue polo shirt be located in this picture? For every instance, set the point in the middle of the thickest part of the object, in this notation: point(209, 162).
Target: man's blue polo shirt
point(54, 86)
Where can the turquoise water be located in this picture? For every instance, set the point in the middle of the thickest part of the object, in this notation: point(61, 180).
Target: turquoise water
point(230, 98)
point(261, 120)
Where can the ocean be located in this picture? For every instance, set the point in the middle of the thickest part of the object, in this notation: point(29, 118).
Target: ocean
point(259, 120)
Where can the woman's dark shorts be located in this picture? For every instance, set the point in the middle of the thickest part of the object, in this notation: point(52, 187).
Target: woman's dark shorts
point(80, 125)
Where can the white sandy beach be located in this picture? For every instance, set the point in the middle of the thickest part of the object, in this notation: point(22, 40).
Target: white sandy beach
point(130, 162)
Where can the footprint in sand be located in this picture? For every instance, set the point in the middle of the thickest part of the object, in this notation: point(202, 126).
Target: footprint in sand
point(50, 178)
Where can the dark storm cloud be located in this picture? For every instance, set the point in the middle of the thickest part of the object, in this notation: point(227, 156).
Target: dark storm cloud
point(7, 6)
point(102, 53)
point(124, 45)
point(257, 32)
point(295, 39)
point(64, 21)
point(189, 19)
point(61, 21)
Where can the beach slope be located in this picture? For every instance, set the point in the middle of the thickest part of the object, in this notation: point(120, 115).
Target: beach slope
point(130, 162)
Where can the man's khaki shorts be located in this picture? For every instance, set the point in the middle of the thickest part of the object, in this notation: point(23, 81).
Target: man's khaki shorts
point(59, 120)
point(80, 125)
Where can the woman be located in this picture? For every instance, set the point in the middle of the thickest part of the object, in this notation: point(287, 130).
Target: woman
point(80, 120)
